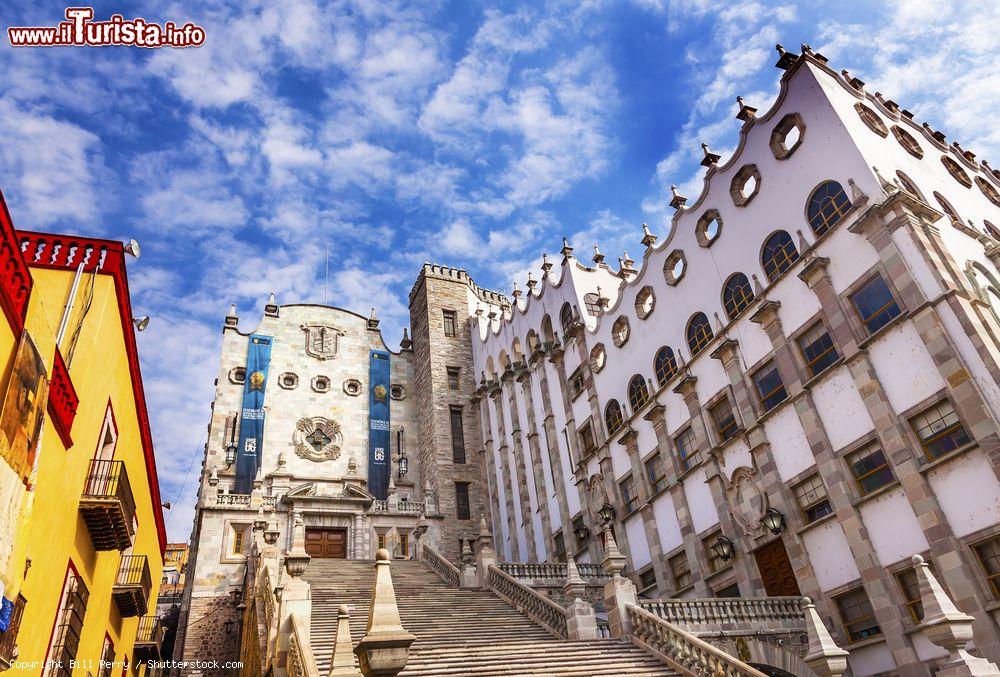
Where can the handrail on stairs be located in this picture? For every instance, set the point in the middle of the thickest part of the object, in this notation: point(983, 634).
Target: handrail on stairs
point(301, 661)
point(448, 572)
point(537, 606)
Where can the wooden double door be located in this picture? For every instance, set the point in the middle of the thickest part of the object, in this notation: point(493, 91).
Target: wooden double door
point(327, 543)
point(776, 569)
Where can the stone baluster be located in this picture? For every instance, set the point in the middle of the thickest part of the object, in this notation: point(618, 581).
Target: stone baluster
point(342, 664)
point(823, 656)
point(385, 648)
point(947, 627)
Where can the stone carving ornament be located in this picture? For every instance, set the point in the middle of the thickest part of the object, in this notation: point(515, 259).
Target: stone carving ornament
point(747, 501)
point(317, 439)
point(322, 340)
point(597, 496)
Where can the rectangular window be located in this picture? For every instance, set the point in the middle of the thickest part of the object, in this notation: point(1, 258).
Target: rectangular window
point(731, 590)
point(714, 561)
point(857, 615)
point(687, 453)
point(817, 349)
point(870, 469)
point(457, 436)
point(449, 322)
point(724, 419)
point(680, 571)
point(587, 441)
point(454, 378)
point(381, 541)
point(940, 430)
point(654, 473)
point(647, 579)
point(812, 499)
point(69, 625)
point(404, 544)
point(462, 509)
point(237, 539)
point(875, 304)
point(770, 389)
point(107, 658)
point(988, 553)
point(560, 546)
point(629, 497)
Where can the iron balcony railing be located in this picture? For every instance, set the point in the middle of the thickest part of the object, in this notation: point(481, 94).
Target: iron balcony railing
point(108, 505)
point(132, 585)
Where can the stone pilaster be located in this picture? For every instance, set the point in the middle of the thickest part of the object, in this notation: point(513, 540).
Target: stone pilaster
point(523, 490)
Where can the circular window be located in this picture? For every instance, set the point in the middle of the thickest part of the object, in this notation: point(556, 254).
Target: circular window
point(321, 384)
point(871, 118)
point(745, 185)
point(288, 380)
point(674, 267)
point(907, 141)
point(397, 392)
point(988, 190)
point(956, 171)
point(709, 227)
point(644, 302)
point(238, 375)
point(620, 331)
point(598, 358)
point(787, 136)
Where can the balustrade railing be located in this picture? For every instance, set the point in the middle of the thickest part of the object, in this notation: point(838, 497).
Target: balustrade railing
point(301, 661)
point(537, 606)
point(682, 650)
point(551, 571)
point(448, 572)
point(721, 610)
point(233, 499)
point(402, 507)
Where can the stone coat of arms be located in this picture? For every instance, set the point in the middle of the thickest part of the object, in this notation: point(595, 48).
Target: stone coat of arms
point(322, 341)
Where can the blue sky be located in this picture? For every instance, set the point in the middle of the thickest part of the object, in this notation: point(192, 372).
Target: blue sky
point(470, 134)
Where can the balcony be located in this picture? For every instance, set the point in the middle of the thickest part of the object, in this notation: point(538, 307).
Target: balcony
point(132, 586)
point(149, 639)
point(107, 506)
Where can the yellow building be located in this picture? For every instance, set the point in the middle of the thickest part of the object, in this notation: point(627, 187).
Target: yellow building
point(81, 527)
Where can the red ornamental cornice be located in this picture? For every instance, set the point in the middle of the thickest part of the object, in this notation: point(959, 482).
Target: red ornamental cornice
point(15, 279)
point(65, 252)
point(63, 400)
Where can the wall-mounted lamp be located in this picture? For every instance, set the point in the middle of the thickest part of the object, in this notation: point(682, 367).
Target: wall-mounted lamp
point(230, 454)
point(581, 532)
point(141, 322)
point(607, 513)
point(723, 548)
point(774, 520)
point(401, 462)
point(132, 248)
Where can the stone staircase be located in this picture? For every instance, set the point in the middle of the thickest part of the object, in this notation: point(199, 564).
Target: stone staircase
point(459, 631)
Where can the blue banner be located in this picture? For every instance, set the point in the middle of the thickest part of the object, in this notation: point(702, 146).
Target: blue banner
point(248, 453)
point(378, 426)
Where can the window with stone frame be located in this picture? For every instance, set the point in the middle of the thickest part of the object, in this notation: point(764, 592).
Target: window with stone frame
point(655, 474)
point(699, 333)
point(687, 449)
point(857, 615)
point(560, 543)
point(907, 141)
point(956, 171)
point(592, 302)
point(630, 498)
point(680, 571)
point(737, 295)
point(450, 323)
point(817, 349)
point(566, 317)
point(454, 378)
point(778, 255)
point(647, 579)
point(638, 393)
point(810, 495)
point(107, 658)
point(457, 435)
point(238, 539)
point(948, 209)
point(715, 562)
point(907, 581)
point(874, 304)
point(869, 467)
point(988, 190)
point(770, 388)
point(871, 119)
point(587, 440)
point(577, 383)
point(613, 416)
point(462, 508)
point(645, 301)
point(940, 430)
point(404, 544)
point(726, 426)
point(827, 206)
point(68, 625)
point(664, 365)
point(988, 554)
point(731, 590)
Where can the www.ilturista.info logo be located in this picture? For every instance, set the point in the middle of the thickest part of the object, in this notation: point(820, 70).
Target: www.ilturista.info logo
point(80, 30)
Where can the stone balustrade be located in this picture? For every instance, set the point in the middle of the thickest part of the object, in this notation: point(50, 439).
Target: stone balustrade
point(400, 508)
point(724, 613)
point(243, 501)
point(448, 572)
point(530, 602)
point(541, 573)
point(301, 661)
point(682, 650)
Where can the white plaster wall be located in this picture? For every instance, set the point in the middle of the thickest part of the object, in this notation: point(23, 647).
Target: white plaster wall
point(893, 527)
point(830, 555)
point(926, 651)
point(798, 303)
point(700, 502)
point(843, 412)
point(637, 544)
point(646, 436)
point(904, 367)
point(667, 526)
point(987, 386)
point(737, 454)
point(968, 492)
point(851, 256)
point(789, 445)
point(620, 463)
point(871, 660)
point(581, 409)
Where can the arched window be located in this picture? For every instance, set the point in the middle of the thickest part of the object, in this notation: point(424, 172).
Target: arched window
point(699, 332)
point(613, 416)
point(638, 393)
point(956, 171)
point(664, 365)
point(566, 317)
point(737, 294)
point(827, 206)
point(592, 302)
point(778, 255)
point(948, 209)
point(991, 230)
point(908, 185)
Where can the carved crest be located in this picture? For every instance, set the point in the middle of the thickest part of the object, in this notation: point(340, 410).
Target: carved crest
point(322, 340)
point(317, 439)
point(597, 495)
point(747, 500)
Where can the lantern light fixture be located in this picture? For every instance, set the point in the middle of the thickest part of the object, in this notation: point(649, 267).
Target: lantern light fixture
point(607, 513)
point(230, 454)
point(581, 532)
point(774, 520)
point(723, 548)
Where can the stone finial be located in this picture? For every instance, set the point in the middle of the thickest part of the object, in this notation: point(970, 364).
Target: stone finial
point(678, 200)
point(628, 260)
point(271, 307)
point(858, 196)
point(485, 537)
point(546, 265)
point(385, 648)
point(803, 245)
point(598, 256)
point(854, 82)
point(613, 563)
point(297, 559)
point(746, 112)
point(823, 655)
point(574, 586)
point(342, 664)
point(566, 251)
point(372, 320)
point(406, 343)
point(517, 292)
point(785, 59)
point(531, 283)
point(467, 555)
point(648, 239)
point(887, 186)
point(711, 159)
point(213, 477)
point(232, 319)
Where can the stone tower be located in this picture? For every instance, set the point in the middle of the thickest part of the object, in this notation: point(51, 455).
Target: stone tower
point(449, 437)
